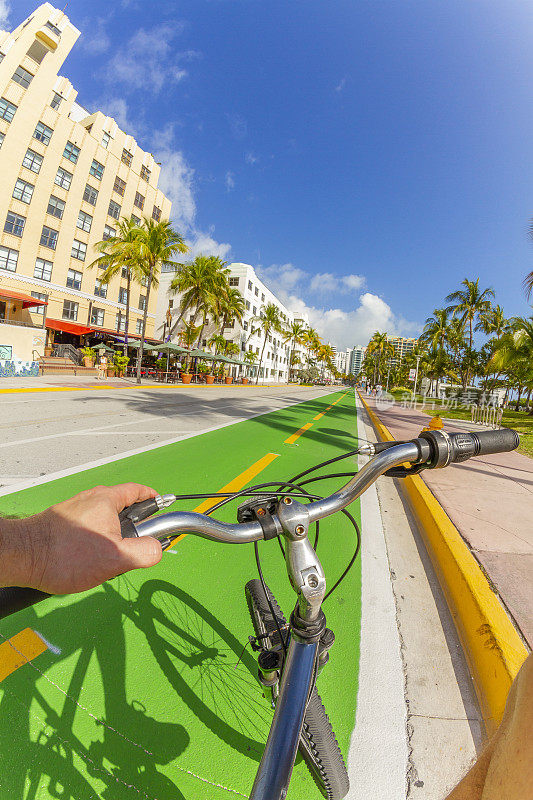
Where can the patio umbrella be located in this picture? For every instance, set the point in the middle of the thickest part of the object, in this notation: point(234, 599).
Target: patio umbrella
point(206, 356)
point(167, 347)
point(104, 347)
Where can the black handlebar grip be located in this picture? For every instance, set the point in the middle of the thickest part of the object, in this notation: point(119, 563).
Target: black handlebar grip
point(466, 445)
point(15, 598)
point(136, 513)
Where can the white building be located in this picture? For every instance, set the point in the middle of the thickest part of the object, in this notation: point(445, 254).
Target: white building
point(256, 295)
point(357, 355)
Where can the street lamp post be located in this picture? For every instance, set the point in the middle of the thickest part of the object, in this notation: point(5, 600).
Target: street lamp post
point(416, 376)
point(388, 373)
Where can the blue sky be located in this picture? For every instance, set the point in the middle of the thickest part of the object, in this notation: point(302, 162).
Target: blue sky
point(365, 156)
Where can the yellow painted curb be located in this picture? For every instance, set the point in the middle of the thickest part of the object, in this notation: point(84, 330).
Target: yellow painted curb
point(491, 643)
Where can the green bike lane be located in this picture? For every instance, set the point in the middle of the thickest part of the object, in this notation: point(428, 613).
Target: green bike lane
point(138, 694)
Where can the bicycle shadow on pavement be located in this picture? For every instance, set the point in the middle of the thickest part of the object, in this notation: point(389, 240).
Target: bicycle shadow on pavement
point(74, 738)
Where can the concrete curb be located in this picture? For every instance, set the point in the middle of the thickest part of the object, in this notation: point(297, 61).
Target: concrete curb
point(492, 645)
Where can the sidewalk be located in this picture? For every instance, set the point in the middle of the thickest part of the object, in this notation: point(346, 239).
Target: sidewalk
point(490, 501)
point(49, 382)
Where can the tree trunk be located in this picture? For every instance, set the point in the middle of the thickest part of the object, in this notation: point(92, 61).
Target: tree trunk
point(128, 284)
point(528, 402)
point(145, 317)
point(261, 359)
point(517, 406)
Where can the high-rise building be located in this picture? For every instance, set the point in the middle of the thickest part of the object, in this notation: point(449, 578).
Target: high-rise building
point(401, 345)
point(357, 356)
point(68, 177)
point(246, 335)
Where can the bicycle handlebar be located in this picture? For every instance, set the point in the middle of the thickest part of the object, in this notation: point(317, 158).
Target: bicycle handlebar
point(432, 449)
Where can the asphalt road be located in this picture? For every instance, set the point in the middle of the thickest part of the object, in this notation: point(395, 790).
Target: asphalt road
point(44, 432)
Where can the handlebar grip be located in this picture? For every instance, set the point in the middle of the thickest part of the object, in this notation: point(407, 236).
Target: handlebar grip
point(15, 598)
point(136, 513)
point(466, 445)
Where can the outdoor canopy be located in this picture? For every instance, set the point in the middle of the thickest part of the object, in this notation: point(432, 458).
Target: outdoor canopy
point(167, 347)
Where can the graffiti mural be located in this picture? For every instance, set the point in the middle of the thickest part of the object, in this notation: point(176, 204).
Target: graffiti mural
point(18, 369)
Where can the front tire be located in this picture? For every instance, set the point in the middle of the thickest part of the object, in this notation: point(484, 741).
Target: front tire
point(318, 745)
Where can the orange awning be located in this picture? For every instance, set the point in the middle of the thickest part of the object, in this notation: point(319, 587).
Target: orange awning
point(67, 327)
point(27, 300)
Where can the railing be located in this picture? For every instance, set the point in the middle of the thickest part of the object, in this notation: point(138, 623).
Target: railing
point(67, 351)
point(487, 415)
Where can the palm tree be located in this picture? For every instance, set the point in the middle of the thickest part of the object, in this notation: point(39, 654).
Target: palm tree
point(249, 358)
point(269, 319)
point(514, 356)
point(325, 355)
point(116, 255)
point(493, 321)
point(199, 282)
point(154, 247)
point(295, 334)
point(380, 345)
point(468, 304)
point(230, 306)
point(436, 329)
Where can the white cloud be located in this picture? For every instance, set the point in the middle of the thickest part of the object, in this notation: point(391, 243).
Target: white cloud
point(95, 38)
point(204, 244)
point(251, 158)
point(5, 8)
point(343, 328)
point(117, 108)
point(148, 61)
point(229, 181)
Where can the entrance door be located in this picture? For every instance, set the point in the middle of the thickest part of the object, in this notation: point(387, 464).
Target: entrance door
point(2, 310)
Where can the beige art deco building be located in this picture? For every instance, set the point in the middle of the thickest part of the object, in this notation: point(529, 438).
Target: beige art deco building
point(67, 177)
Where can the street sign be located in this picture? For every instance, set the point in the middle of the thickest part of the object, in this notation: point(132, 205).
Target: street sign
point(412, 374)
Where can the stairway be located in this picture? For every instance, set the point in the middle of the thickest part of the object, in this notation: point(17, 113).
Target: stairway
point(57, 365)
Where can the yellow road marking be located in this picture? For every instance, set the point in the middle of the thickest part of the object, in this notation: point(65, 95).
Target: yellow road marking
point(298, 433)
point(320, 415)
point(19, 650)
point(234, 485)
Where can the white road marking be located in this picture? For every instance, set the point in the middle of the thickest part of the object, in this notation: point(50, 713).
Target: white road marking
point(52, 476)
point(378, 755)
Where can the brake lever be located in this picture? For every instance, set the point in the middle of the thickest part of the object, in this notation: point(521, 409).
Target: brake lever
point(404, 472)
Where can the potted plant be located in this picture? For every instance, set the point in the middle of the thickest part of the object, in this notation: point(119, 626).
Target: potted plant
point(203, 369)
point(186, 376)
point(120, 362)
point(161, 364)
point(228, 379)
point(89, 356)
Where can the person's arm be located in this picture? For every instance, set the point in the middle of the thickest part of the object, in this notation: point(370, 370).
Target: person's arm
point(75, 545)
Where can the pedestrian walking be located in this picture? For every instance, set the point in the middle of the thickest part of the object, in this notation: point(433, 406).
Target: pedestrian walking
point(101, 367)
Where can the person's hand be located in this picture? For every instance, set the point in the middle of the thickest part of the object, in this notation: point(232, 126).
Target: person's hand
point(75, 545)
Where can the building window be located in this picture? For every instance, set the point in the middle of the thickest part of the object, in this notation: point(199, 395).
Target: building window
point(106, 138)
point(139, 326)
point(119, 186)
point(56, 100)
point(109, 232)
point(42, 133)
point(53, 28)
point(32, 161)
point(124, 272)
point(71, 152)
point(262, 297)
point(23, 77)
point(74, 279)
point(250, 285)
point(135, 220)
point(70, 310)
point(2, 137)
point(97, 316)
point(114, 209)
point(90, 194)
point(8, 259)
point(38, 309)
point(156, 213)
point(56, 207)
point(23, 191)
point(122, 295)
point(254, 310)
point(37, 52)
point(79, 250)
point(142, 302)
point(14, 224)
point(84, 221)
point(145, 173)
point(7, 109)
point(139, 201)
point(120, 322)
point(257, 291)
point(244, 325)
point(127, 157)
point(49, 237)
point(43, 269)
point(63, 178)
point(100, 289)
point(96, 169)
point(233, 281)
point(247, 305)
